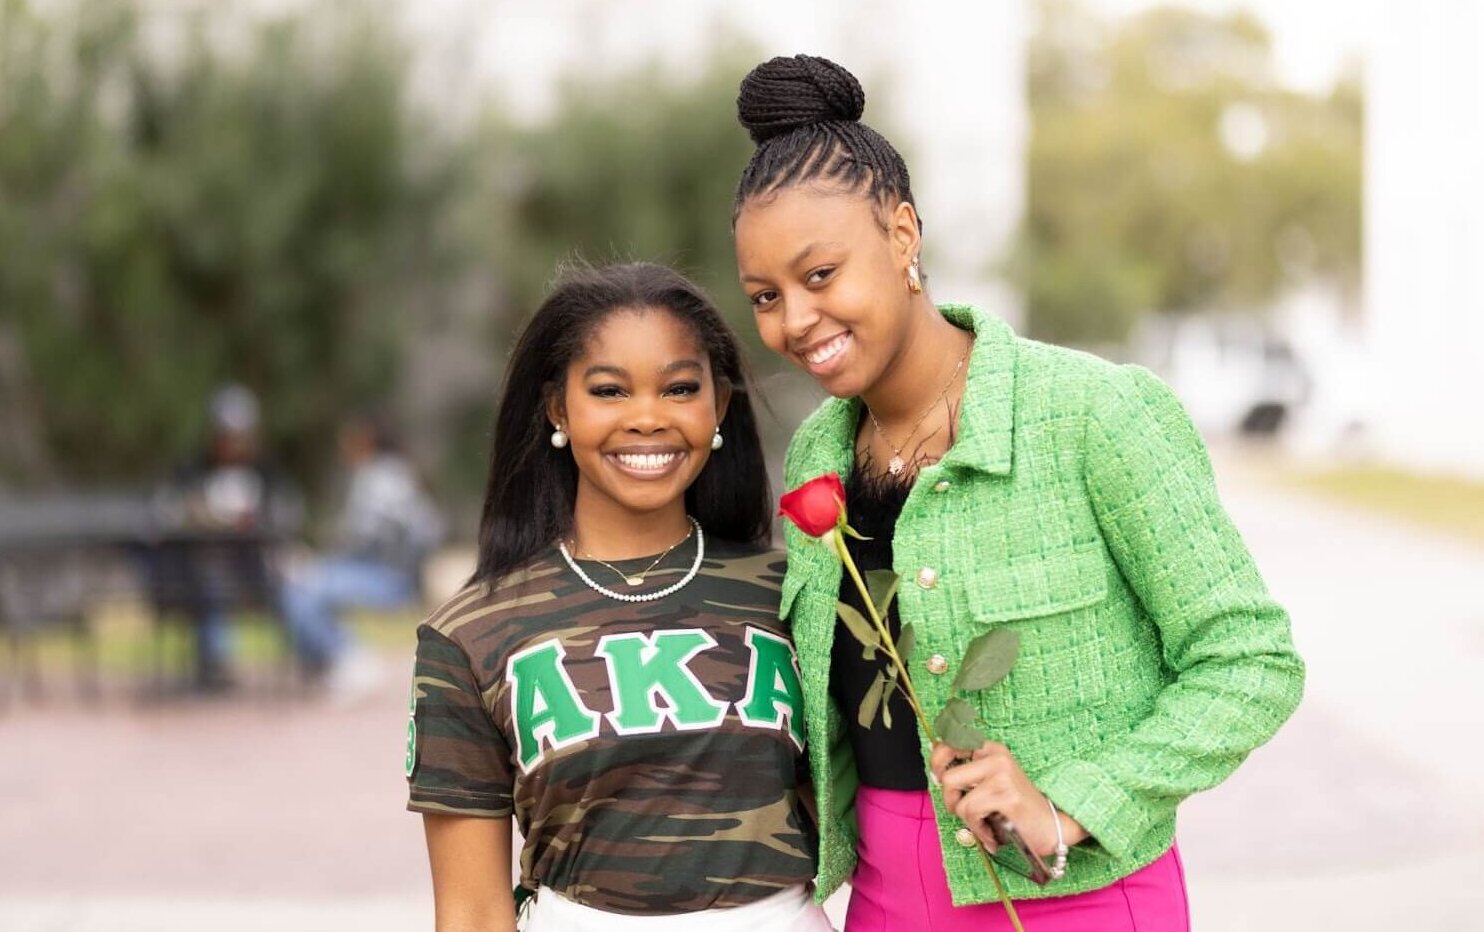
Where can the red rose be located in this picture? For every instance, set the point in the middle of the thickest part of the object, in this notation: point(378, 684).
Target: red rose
point(817, 506)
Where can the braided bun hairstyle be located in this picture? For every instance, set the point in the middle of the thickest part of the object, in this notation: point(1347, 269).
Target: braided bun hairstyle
point(803, 113)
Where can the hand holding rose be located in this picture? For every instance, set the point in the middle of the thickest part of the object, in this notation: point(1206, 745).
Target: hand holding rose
point(992, 781)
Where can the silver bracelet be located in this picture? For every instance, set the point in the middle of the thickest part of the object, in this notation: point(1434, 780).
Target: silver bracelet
point(1059, 868)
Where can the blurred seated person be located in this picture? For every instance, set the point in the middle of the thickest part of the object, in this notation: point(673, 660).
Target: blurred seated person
point(386, 530)
point(221, 510)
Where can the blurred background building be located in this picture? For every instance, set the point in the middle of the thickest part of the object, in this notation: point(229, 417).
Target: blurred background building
point(1424, 242)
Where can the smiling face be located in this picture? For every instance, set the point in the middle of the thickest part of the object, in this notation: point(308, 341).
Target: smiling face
point(640, 407)
point(828, 283)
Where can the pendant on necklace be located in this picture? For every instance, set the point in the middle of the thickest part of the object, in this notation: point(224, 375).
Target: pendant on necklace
point(634, 580)
point(895, 466)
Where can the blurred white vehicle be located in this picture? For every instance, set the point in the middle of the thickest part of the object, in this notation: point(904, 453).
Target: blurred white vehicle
point(1235, 374)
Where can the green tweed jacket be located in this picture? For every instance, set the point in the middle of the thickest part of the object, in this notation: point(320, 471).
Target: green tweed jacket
point(1076, 507)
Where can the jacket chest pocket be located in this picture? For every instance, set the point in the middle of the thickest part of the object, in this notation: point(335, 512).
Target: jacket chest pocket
point(1053, 602)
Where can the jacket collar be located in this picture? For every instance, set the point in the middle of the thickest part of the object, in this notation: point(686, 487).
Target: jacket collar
point(986, 421)
point(986, 416)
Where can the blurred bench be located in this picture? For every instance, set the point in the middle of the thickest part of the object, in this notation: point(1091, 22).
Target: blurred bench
point(61, 555)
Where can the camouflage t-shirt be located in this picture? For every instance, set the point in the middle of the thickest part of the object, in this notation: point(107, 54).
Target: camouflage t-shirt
point(650, 752)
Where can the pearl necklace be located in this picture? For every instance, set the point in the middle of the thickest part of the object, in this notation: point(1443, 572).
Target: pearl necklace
point(695, 568)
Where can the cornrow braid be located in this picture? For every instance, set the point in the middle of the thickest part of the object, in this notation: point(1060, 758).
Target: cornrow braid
point(804, 114)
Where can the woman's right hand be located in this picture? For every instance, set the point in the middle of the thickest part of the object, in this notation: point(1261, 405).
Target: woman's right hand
point(991, 780)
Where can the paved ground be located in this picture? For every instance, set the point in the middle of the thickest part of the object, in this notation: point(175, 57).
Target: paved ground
point(1364, 814)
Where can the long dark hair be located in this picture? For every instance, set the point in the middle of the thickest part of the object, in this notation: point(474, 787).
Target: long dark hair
point(532, 486)
point(803, 114)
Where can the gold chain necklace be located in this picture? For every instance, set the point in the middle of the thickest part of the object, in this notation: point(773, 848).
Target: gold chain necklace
point(897, 463)
point(638, 578)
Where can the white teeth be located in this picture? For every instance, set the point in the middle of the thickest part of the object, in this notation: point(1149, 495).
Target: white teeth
point(828, 351)
point(646, 461)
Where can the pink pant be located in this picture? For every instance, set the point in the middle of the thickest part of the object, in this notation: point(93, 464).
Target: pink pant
point(899, 884)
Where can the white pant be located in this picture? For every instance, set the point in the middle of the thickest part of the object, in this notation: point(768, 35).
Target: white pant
point(790, 910)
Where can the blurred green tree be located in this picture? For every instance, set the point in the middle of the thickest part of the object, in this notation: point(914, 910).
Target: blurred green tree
point(175, 214)
point(1169, 172)
point(629, 167)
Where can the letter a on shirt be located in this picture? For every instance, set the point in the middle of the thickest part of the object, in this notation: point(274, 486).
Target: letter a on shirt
point(545, 705)
point(773, 690)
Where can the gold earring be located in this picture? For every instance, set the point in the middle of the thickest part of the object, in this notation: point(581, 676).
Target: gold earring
point(914, 277)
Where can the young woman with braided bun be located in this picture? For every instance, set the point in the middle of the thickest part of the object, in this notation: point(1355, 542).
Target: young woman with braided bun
point(1011, 485)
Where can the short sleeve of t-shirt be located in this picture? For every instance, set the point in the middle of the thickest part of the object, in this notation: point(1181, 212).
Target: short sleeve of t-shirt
point(458, 761)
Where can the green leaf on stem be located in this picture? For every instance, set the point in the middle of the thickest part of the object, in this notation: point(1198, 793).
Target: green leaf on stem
point(883, 586)
point(906, 640)
point(892, 684)
point(853, 532)
point(955, 726)
point(864, 631)
point(988, 659)
point(873, 700)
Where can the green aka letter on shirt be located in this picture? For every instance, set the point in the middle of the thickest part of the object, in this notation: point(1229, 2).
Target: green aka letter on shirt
point(650, 681)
